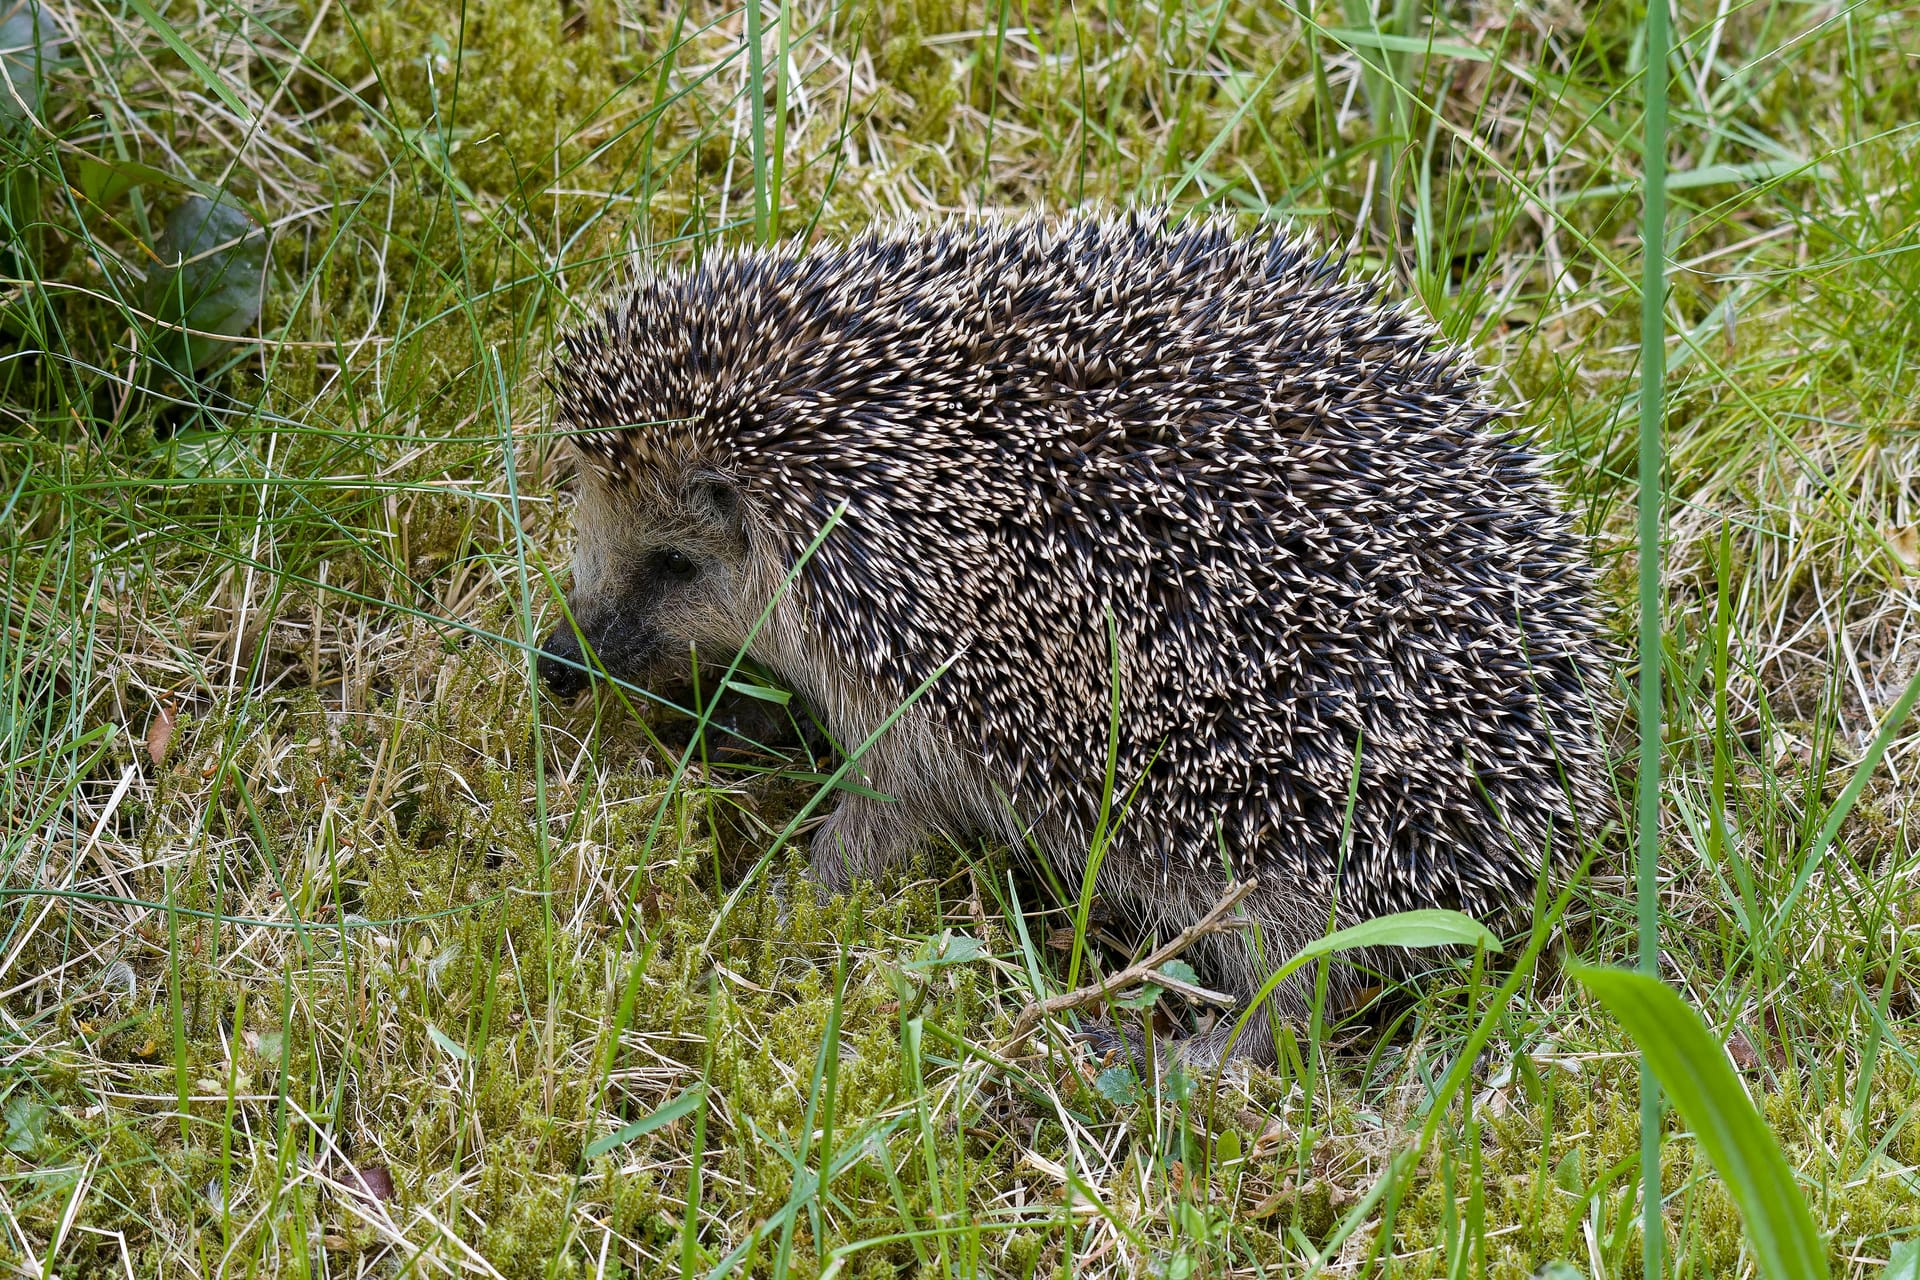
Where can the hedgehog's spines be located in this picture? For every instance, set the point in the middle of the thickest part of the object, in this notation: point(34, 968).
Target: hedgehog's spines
point(1299, 504)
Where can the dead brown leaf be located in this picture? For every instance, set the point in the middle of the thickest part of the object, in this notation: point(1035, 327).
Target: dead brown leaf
point(373, 1183)
point(1741, 1050)
point(1271, 1139)
point(1777, 1040)
point(160, 732)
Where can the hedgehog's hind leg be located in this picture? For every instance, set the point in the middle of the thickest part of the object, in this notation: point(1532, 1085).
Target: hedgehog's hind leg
point(861, 839)
point(1124, 1043)
point(1232, 963)
point(1241, 964)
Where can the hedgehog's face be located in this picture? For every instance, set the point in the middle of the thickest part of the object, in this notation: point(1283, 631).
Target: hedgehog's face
point(658, 575)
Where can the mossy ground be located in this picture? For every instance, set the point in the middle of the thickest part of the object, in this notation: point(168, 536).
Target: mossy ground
point(330, 948)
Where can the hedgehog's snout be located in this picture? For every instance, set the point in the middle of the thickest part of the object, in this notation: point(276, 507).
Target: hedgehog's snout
point(561, 663)
point(625, 645)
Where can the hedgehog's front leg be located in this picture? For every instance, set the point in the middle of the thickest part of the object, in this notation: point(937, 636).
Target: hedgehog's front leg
point(860, 839)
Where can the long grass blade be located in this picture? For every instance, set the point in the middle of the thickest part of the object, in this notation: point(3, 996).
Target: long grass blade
point(1653, 293)
point(1692, 1067)
point(1409, 929)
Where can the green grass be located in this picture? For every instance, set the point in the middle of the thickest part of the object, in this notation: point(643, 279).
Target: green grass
point(305, 890)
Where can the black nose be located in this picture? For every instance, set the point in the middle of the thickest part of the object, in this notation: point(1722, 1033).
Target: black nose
point(560, 663)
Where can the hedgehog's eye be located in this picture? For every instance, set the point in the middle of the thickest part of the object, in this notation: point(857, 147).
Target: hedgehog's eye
point(676, 563)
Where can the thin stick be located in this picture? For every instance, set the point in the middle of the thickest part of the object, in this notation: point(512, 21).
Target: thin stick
point(1193, 990)
point(1213, 922)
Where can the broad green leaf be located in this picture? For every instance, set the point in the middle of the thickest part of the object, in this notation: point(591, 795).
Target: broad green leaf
point(26, 1125)
point(948, 948)
point(203, 452)
point(213, 257)
point(1691, 1065)
point(1144, 996)
point(1748, 174)
point(910, 979)
point(1430, 927)
point(1228, 1148)
point(1181, 971)
point(1118, 1085)
point(660, 1119)
point(1413, 929)
point(103, 180)
point(1407, 44)
point(446, 1042)
point(30, 39)
point(833, 783)
point(761, 692)
point(1147, 994)
point(1905, 1262)
point(1570, 1175)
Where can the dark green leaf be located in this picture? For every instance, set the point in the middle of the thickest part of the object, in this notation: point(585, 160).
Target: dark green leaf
point(30, 39)
point(1692, 1067)
point(213, 259)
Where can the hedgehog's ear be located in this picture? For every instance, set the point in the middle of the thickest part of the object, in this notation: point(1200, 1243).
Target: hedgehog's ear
point(716, 498)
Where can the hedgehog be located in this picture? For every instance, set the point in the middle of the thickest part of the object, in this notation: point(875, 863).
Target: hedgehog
point(1104, 519)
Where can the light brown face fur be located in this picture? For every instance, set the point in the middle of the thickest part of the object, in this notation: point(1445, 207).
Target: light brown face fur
point(662, 571)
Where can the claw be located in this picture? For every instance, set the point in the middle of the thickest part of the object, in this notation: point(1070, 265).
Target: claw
point(1113, 1046)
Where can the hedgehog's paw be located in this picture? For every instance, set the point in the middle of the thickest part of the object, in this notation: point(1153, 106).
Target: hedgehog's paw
point(1217, 1047)
point(834, 858)
point(857, 842)
point(1204, 1055)
point(1111, 1045)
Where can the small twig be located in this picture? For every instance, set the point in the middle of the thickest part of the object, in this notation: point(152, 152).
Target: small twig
point(1213, 922)
point(1192, 990)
